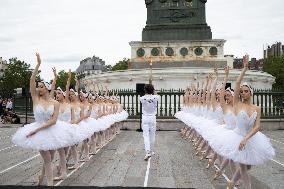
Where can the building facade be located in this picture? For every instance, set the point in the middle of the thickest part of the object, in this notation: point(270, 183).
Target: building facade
point(90, 66)
point(3, 66)
point(275, 50)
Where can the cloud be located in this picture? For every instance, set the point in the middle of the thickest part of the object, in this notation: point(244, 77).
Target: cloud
point(6, 39)
point(68, 58)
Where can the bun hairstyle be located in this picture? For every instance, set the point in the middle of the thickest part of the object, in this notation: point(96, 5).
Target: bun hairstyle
point(248, 86)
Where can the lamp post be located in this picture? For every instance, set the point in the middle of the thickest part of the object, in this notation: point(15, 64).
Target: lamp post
point(151, 74)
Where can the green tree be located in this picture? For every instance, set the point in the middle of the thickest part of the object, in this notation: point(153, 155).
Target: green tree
point(62, 79)
point(275, 67)
point(121, 65)
point(17, 75)
point(108, 67)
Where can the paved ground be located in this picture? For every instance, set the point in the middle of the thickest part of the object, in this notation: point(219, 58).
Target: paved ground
point(121, 163)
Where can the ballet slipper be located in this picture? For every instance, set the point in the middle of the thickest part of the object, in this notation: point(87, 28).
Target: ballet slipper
point(61, 177)
point(210, 156)
point(73, 167)
point(210, 163)
point(238, 183)
point(218, 173)
point(197, 153)
point(230, 185)
point(94, 152)
point(40, 180)
point(201, 158)
point(85, 159)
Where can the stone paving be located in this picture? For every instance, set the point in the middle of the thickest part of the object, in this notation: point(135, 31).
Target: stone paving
point(120, 163)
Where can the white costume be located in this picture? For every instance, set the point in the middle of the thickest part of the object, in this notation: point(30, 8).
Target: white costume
point(63, 133)
point(149, 110)
point(54, 137)
point(225, 139)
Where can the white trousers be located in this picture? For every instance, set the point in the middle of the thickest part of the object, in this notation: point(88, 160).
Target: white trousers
point(149, 132)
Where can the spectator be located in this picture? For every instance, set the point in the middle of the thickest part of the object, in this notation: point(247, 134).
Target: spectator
point(1, 107)
point(9, 105)
point(10, 117)
point(4, 102)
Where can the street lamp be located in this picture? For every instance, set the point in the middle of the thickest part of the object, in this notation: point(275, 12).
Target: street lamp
point(151, 74)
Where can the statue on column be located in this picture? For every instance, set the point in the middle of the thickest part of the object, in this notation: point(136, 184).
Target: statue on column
point(176, 20)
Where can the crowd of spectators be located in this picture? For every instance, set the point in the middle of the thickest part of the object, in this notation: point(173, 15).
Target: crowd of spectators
point(7, 115)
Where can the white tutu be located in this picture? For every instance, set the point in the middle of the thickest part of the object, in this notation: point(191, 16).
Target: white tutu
point(118, 117)
point(86, 128)
point(54, 137)
point(103, 123)
point(226, 142)
point(257, 150)
point(62, 134)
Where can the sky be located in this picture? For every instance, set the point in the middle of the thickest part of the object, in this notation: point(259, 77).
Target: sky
point(65, 32)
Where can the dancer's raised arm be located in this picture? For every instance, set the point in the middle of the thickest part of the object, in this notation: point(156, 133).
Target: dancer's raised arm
point(33, 78)
point(53, 83)
point(213, 94)
point(68, 85)
point(77, 85)
point(106, 94)
point(223, 89)
point(209, 80)
point(102, 90)
point(95, 87)
point(240, 78)
point(98, 88)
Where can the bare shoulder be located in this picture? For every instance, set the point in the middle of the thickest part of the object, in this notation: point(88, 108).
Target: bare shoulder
point(257, 108)
point(56, 103)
